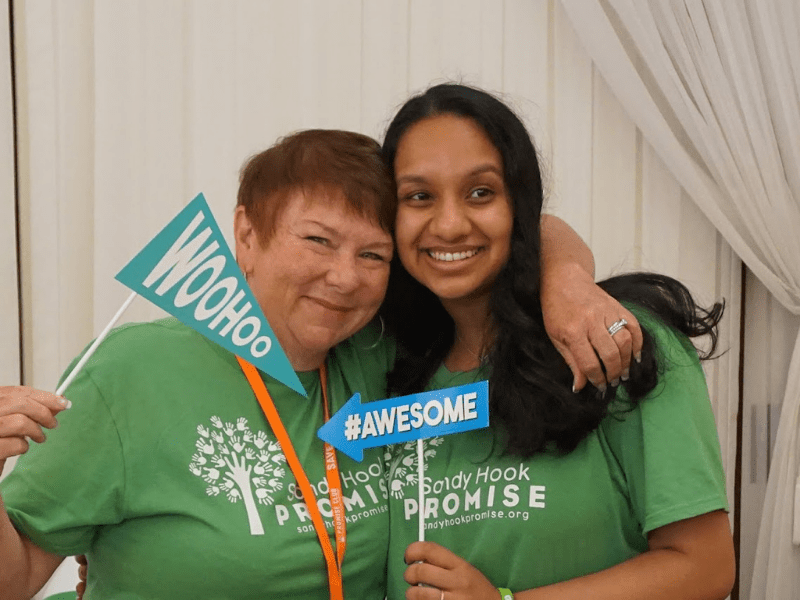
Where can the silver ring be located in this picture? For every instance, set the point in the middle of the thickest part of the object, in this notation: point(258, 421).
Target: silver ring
point(615, 327)
point(441, 594)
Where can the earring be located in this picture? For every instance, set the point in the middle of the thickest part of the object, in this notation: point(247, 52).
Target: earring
point(380, 337)
point(246, 274)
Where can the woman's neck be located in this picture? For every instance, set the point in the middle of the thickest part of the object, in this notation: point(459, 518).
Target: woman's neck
point(473, 334)
point(303, 360)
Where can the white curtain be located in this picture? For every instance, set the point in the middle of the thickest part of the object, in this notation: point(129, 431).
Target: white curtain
point(714, 86)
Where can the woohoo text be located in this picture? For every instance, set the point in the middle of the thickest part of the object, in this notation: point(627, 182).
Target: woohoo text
point(189, 271)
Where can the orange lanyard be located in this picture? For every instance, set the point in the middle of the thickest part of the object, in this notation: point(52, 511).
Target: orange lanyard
point(334, 563)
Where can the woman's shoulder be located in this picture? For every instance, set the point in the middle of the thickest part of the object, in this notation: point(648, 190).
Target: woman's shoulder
point(667, 443)
point(681, 391)
point(147, 342)
point(671, 345)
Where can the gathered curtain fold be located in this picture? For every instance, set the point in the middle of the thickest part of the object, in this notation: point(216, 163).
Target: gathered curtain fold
point(714, 86)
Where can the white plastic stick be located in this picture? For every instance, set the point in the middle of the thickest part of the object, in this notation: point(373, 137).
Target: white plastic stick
point(420, 475)
point(94, 346)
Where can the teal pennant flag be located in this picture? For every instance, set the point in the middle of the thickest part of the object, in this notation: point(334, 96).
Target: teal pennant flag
point(189, 271)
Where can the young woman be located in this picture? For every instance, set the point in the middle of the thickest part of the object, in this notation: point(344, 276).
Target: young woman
point(568, 495)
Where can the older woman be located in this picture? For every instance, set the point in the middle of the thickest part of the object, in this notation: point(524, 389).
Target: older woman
point(167, 473)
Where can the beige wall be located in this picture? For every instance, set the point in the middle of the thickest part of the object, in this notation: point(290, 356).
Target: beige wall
point(9, 303)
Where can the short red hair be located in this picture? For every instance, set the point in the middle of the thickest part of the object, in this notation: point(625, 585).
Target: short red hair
point(320, 163)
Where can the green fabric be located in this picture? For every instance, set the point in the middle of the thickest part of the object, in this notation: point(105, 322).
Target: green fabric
point(164, 471)
point(529, 523)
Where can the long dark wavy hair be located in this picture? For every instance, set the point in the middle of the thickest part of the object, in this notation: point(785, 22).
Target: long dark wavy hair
point(530, 396)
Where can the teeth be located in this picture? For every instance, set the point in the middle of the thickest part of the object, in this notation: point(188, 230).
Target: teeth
point(452, 256)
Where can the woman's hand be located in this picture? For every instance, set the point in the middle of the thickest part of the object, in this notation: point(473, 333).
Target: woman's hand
point(449, 575)
point(83, 574)
point(577, 315)
point(24, 411)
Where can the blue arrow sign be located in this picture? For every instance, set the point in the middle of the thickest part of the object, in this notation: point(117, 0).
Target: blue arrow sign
point(189, 271)
point(356, 426)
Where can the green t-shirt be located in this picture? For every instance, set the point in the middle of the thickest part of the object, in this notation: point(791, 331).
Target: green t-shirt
point(525, 523)
point(166, 473)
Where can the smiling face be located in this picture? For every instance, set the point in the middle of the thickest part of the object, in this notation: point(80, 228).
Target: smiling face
point(454, 218)
point(320, 277)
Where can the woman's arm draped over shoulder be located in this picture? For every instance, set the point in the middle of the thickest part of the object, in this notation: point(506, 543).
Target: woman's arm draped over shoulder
point(577, 313)
point(562, 245)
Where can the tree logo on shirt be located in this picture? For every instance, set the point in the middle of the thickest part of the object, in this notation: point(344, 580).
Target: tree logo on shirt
point(240, 465)
point(403, 462)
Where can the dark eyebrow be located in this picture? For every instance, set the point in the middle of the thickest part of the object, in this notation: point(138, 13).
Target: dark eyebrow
point(487, 168)
point(479, 170)
point(410, 179)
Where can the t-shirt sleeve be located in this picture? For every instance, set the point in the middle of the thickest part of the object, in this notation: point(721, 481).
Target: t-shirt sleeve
point(60, 491)
point(668, 446)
